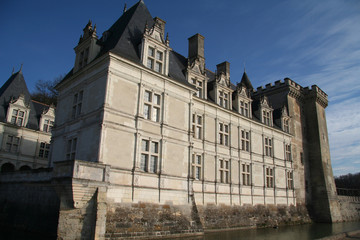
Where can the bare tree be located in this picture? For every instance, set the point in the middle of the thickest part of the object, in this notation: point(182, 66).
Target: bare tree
point(45, 91)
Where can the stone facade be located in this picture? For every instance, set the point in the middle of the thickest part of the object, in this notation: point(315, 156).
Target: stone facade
point(25, 127)
point(148, 142)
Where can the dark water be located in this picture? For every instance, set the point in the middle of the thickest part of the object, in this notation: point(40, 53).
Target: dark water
point(299, 232)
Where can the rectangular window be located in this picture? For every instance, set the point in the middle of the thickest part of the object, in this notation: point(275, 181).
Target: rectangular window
point(246, 174)
point(149, 156)
point(268, 146)
point(266, 117)
point(223, 99)
point(12, 144)
point(44, 150)
point(290, 181)
point(269, 177)
point(155, 59)
point(196, 166)
point(197, 126)
point(17, 117)
point(71, 149)
point(224, 134)
point(77, 104)
point(224, 170)
point(152, 102)
point(245, 140)
point(48, 124)
point(287, 152)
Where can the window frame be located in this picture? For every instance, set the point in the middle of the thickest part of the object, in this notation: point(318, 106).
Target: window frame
point(223, 134)
point(199, 86)
point(71, 147)
point(157, 64)
point(197, 127)
point(246, 174)
point(245, 140)
point(268, 146)
point(290, 179)
point(196, 166)
point(151, 106)
point(44, 150)
point(224, 170)
point(288, 156)
point(224, 98)
point(147, 164)
point(78, 98)
point(244, 108)
point(269, 174)
point(48, 124)
point(266, 117)
point(16, 117)
point(12, 144)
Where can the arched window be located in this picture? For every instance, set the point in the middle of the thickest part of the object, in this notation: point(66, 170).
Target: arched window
point(7, 167)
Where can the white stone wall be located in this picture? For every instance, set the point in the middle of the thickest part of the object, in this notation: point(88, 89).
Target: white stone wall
point(112, 126)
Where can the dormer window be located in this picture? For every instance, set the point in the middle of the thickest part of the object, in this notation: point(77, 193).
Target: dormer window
point(266, 118)
point(48, 124)
point(223, 99)
point(199, 86)
point(84, 55)
point(244, 108)
point(155, 59)
point(17, 117)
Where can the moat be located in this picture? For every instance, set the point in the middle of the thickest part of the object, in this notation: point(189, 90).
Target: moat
point(299, 232)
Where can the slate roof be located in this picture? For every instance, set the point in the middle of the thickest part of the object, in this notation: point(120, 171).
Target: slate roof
point(12, 89)
point(124, 38)
point(246, 81)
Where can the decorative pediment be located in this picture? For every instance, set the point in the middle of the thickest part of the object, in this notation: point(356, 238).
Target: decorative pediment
point(242, 91)
point(49, 112)
point(157, 32)
point(223, 80)
point(196, 67)
point(20, 102)
point(264, 102)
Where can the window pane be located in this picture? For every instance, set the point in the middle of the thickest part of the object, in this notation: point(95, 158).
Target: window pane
point(157, 99)
point(199, 120)
point(143, 162)
point(198, 132)
point(198, 172)
point(150, 63)
point(198, 159)
point(21, 113)
point(153, 164)
point(145, 145)
point(159, 55)
point(156, 114)
point(147, 96)
point(158, 67)
point(151, 51)
point(154, 147)
point(146, 111)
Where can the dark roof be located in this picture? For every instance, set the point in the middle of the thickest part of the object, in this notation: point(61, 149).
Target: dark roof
point(246, 81)
point(12, 89)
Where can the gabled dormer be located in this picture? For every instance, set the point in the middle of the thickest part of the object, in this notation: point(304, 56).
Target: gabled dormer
point(87, 48)
point(265, 111)
point(18, 111)
point(221, 90)
point(242, 97)
point(47, 119)
point(155, 48)
point(195, 72)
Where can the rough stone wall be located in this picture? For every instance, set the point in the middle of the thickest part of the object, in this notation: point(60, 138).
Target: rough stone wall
point(148, 219)
point(350, 208)
point(223, 217)
point(29, 203)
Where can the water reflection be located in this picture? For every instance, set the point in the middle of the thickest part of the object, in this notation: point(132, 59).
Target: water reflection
point(303, 232)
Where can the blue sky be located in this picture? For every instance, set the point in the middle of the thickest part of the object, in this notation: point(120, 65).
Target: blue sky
point(312, 42)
